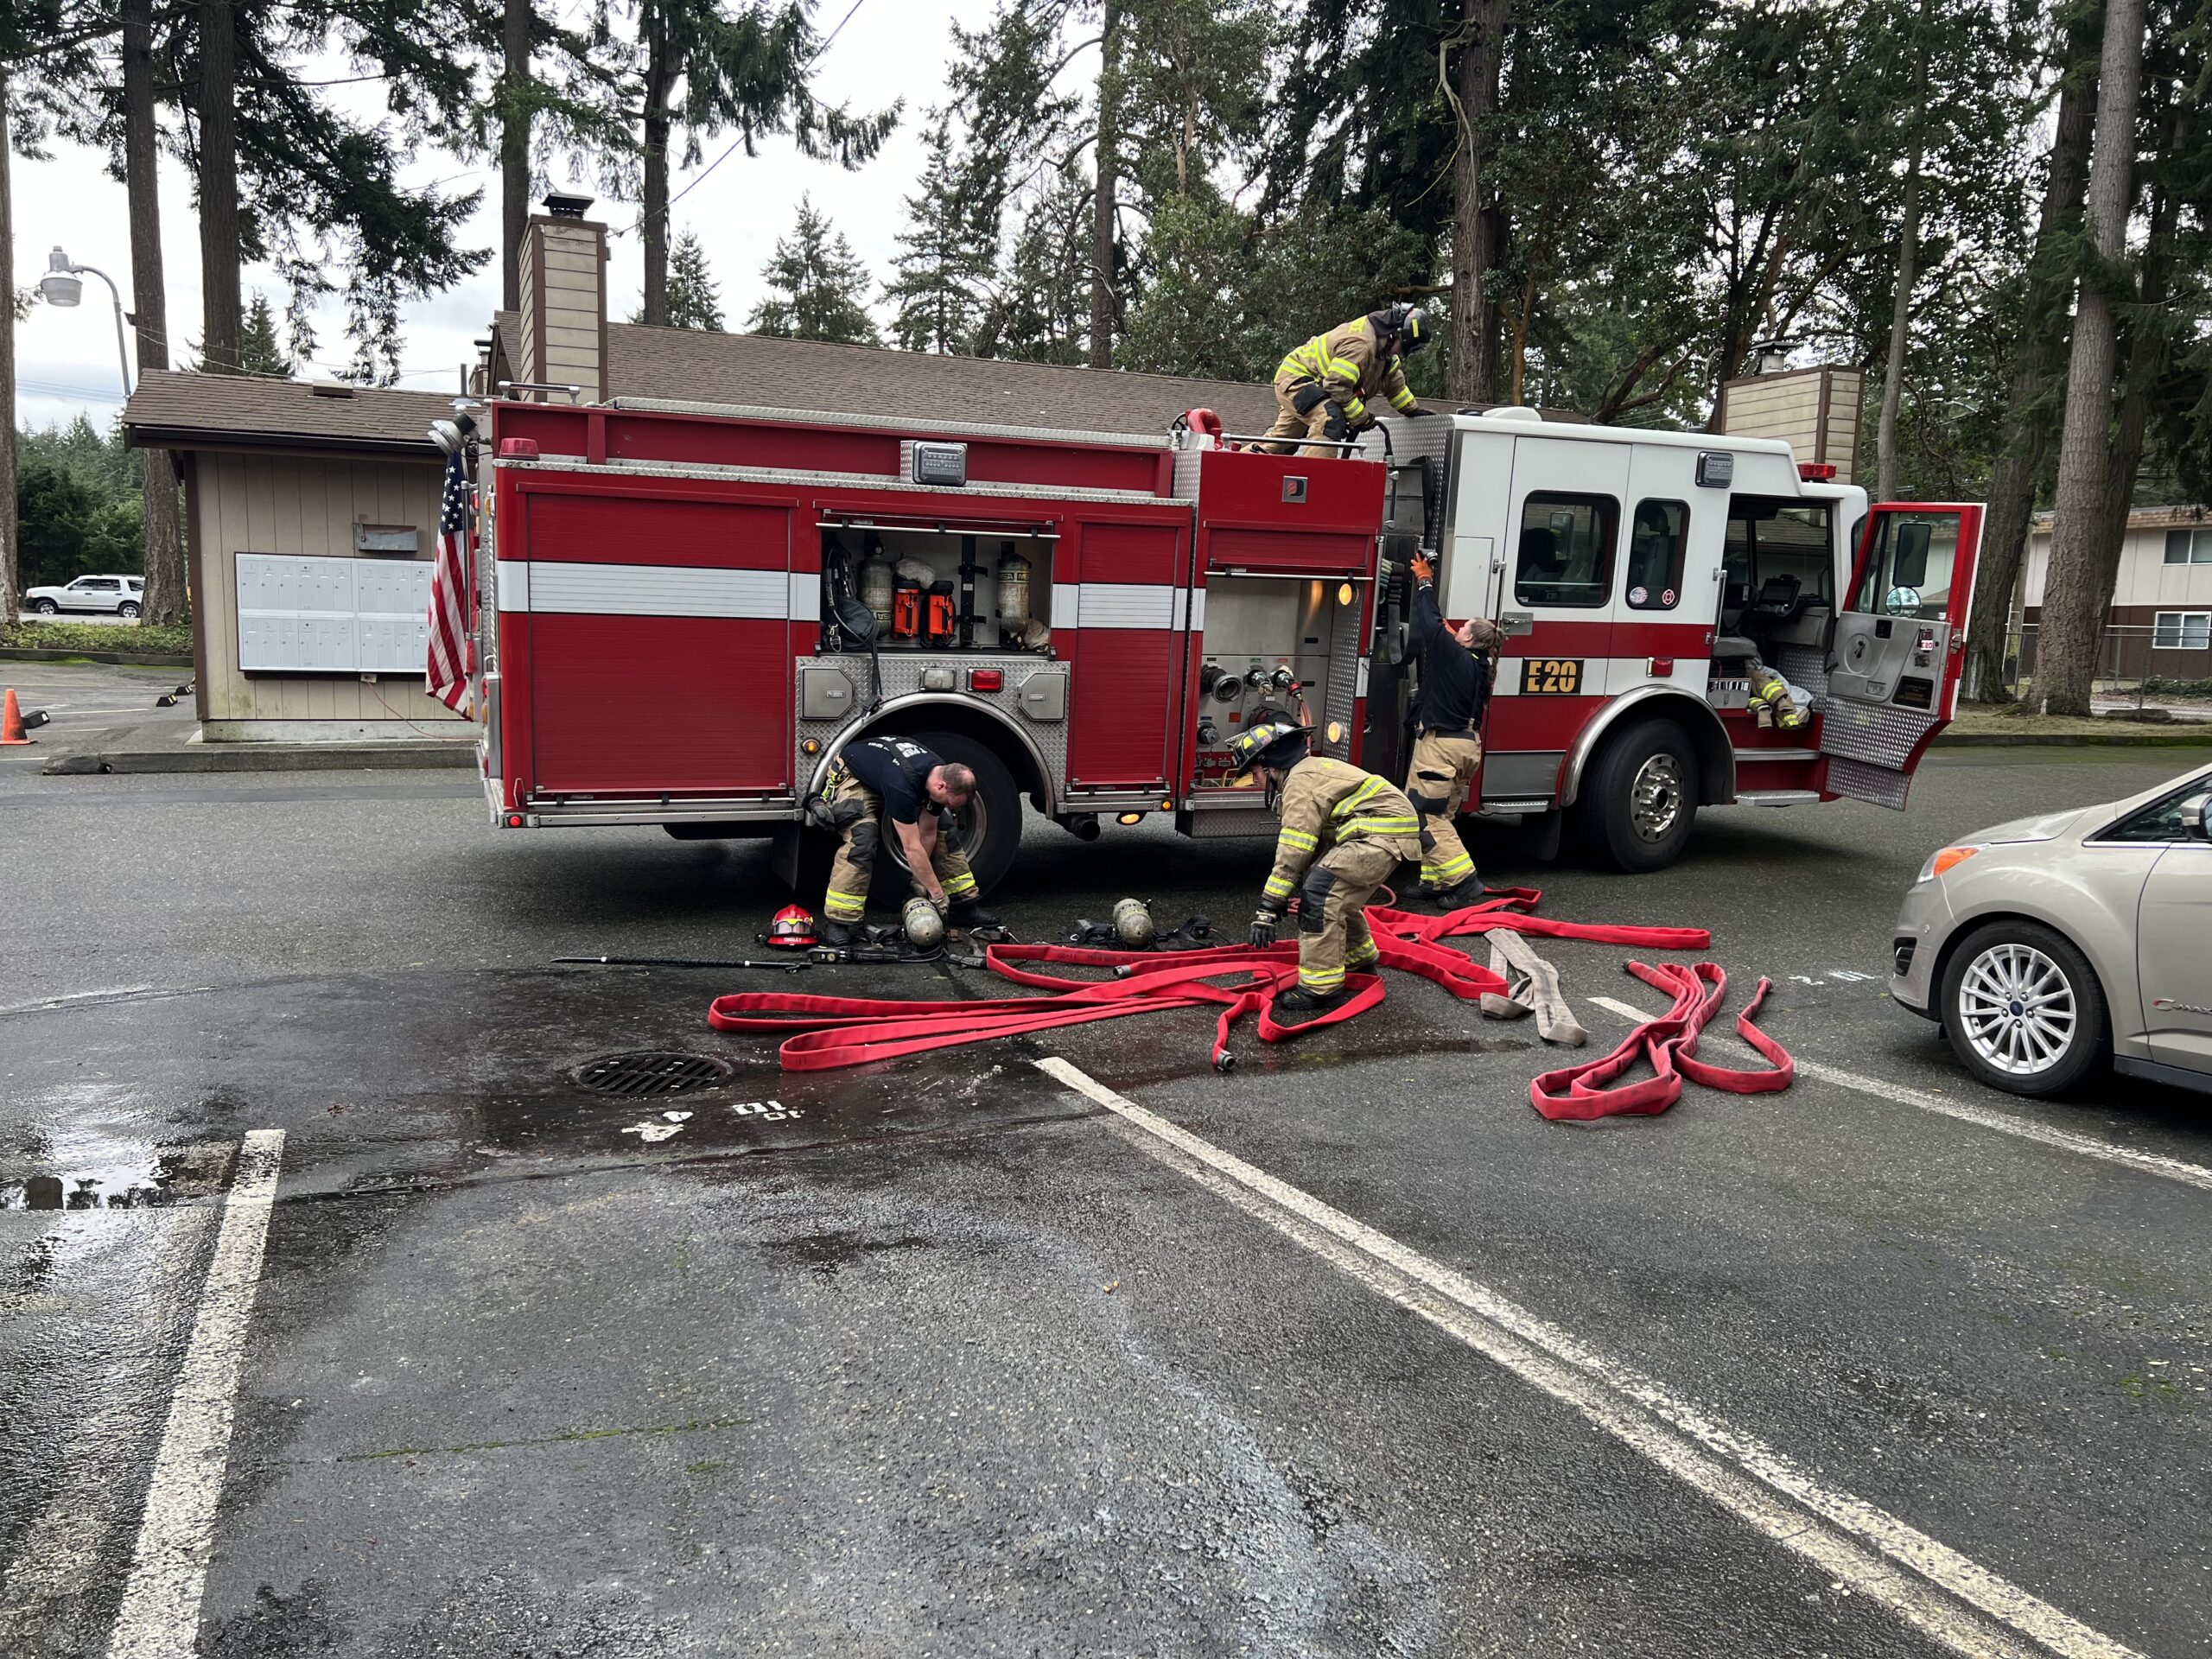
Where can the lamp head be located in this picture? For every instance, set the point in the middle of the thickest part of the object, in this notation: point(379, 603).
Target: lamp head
point(60, 285)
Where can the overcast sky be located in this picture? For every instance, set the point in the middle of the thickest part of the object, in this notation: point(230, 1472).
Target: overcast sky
point(65, 361)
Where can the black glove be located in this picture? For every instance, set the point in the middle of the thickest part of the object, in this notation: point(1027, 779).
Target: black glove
point(1419, 409)
point(1263, 925)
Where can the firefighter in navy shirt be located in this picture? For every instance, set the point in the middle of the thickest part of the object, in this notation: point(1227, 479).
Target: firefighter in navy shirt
point(1448, 738)
point(896, 779)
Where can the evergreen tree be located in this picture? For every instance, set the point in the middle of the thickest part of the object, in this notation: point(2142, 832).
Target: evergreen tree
point(817, 290)
point(259, 352)
point(693, 301)
point(937, 294)
point(750, 69)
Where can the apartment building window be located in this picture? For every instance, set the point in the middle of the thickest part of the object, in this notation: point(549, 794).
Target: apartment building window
point(2188, 546)
point(2181, 631)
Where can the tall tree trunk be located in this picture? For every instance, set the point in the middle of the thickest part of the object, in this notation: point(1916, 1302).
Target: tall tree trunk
point(1885, 431)
point(1102, 211)
point(2038, 361)
point(1472, 85)
point(222, 322)
point(149, 314)
point(660, 83)
point(10, 568)
point(514, 153)
point(2078, 592)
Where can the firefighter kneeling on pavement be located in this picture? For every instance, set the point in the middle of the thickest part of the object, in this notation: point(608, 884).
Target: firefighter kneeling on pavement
point(1344, 832)
point(898, 779)
point(1324, 387)
point(1448, 739)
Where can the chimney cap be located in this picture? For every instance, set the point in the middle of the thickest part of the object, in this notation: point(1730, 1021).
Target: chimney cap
point(561, 206)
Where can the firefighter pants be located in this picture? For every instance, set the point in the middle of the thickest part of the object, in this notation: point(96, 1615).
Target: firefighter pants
point(1771, 691)
point(857, 811)
point(1332, 932)
point(1443, 770)
point(1290, 423)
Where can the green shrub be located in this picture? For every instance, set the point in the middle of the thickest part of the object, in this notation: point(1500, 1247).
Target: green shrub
point(146, 638)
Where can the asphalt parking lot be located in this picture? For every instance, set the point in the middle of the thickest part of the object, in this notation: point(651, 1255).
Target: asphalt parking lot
point(363, 1329)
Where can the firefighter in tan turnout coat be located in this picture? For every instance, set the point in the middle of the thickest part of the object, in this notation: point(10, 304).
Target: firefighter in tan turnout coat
point(1343, 832)
point(1324, 387)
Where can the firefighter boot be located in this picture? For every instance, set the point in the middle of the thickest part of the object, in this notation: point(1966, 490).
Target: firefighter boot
point(1304, 1004)
point(837, 934)
point(971, 913)
point(1460, 895)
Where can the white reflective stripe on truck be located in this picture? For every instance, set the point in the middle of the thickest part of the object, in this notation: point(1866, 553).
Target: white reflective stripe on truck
point(545, 587)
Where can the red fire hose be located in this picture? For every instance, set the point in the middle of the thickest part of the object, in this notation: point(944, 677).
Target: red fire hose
point(823, 1033)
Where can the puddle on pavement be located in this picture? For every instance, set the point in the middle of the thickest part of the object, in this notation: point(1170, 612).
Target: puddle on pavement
point(112, 1175)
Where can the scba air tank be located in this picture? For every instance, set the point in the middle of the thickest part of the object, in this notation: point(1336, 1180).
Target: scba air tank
point(1013, 593)
point(876, 589)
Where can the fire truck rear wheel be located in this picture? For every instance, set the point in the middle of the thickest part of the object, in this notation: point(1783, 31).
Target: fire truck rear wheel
point(1639, 798)
point(990, 830)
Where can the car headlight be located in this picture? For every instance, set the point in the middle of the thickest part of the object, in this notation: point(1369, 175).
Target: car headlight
point(1943, 858)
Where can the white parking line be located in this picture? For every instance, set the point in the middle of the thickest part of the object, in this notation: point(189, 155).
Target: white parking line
point(2148, 1163)
point(1872, 1551)
point(159, 1616)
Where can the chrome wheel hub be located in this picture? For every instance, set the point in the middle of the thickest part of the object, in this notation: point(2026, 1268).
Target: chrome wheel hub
point(1654, 799)
point(2018, 1010)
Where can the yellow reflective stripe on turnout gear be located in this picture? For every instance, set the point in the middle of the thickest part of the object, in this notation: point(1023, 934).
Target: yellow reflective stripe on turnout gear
point(960, 886)
point(1355, 409)
point(1360, 955)
point(845, 906)
point(1403, 398)
point(1449, 871)
point(1366, 791)
point(1321, 979)
point(1299, 839)
point(1380, 827)
point(1279, 887)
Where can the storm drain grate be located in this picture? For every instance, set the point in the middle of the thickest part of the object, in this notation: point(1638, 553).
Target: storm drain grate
point(633, 1075)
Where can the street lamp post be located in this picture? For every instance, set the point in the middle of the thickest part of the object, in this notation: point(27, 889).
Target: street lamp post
point(60, 287)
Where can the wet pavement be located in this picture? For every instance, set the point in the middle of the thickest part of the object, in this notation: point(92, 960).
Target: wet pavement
point(942, 1356)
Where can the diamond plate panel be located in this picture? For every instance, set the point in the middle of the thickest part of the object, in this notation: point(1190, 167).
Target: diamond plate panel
point(902, 676)
point(1805, 665)
point(1344, 681)
point(1861, 782)
point(1881, 737)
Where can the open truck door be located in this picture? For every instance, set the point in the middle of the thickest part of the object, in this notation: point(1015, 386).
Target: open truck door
point(1898, 648)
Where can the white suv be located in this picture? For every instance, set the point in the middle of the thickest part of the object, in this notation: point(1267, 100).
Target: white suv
point(121, 594)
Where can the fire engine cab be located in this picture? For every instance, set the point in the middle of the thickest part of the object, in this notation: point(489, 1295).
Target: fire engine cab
point(685, 610)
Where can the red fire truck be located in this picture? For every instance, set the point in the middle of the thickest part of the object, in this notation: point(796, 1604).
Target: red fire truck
point(686, 610)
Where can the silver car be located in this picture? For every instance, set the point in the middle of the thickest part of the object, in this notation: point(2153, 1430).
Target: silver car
point(2046, 946)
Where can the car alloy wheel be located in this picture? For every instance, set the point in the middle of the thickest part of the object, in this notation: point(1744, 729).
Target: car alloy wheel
point(44, 607)
point(2017, 1010)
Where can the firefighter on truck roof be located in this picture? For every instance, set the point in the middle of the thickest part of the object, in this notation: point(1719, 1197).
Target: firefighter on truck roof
point(1324, 387)
point(897, 779)
point(1345, 831)
point(1448, 738)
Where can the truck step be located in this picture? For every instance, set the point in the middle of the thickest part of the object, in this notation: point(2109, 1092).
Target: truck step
point(1762, 756)
point(1777, 797)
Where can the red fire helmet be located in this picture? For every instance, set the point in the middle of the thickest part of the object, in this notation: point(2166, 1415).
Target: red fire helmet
point(791, 928)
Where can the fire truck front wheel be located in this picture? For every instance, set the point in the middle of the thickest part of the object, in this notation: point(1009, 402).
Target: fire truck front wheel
point(989, 829)
point(1639, 798)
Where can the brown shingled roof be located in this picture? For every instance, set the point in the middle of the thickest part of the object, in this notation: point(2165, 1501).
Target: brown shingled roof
point(174, 410)
point(872, 380)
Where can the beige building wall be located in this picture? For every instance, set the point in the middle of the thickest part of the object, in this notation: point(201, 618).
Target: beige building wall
point(297, 504)
point(2145, 578)
point(1815, 411)
point(563, 323)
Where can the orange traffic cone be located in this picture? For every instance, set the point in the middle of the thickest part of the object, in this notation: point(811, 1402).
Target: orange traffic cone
point(12, 721)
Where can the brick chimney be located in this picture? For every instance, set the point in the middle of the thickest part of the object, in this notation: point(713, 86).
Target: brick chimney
point(564, 299)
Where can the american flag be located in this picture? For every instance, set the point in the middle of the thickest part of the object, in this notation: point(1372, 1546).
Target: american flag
point(451, 670)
